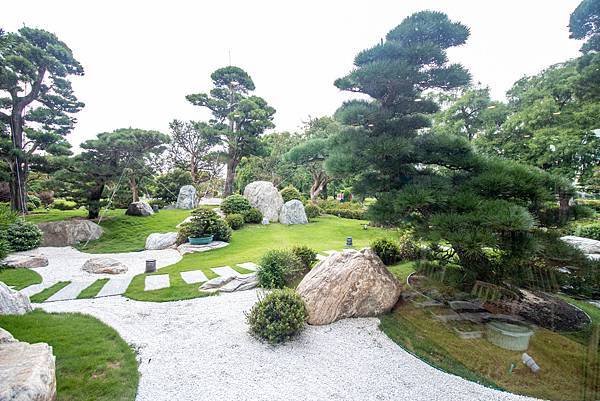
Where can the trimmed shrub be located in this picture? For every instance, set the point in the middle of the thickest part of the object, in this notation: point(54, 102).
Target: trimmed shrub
point(312, 211)
point(63, 204)
point(34, 200)
point(387, 250)
point(278, 317)
point(592, 203)
point(7, 216)
point(347, 213)
point(306, 254)
point(589, 231)
point(235, 204)
point(221, 231)
point(235, 221)
point(277, 268)
point(160, 203)
point(23, 235)
point(205, 222)
point(290, 192)
point(253, 216)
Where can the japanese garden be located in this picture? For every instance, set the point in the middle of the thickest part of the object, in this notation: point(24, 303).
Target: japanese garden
point(427, 240)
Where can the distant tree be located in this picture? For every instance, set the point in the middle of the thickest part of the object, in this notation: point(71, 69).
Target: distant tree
point(36, 103)
point(167, 185)
point(585, 24)
point(239, 118)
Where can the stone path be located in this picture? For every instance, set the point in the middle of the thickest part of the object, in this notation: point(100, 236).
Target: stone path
point(194, 277)
point(115, 286)
point(71, 291)
point(157, 282)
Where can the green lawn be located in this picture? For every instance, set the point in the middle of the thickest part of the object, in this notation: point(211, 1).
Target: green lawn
point(92, 360)
point(45, 216)
point(92, 290)
point(249, 244)
point(48, 292)
point(19, 278)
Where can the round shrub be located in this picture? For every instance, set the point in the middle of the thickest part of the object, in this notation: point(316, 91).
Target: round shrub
point(235, 221)
point(408, 248)
point(387, 250)
point(205, 222)
point(312, 211)
point(278, 317)
point(23, 235)
point(290, 192)
point(253, 216)
point(221, 231)
point(306, 255)
point(589, 231)
point(63, 204)
point(235, 204)
point(277, 267)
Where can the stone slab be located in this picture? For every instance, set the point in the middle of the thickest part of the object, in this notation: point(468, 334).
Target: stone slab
point(115, 286)
point(71, 291)
point(157, 282)
point(249, 266)
point(194, 276)
point(226, 271)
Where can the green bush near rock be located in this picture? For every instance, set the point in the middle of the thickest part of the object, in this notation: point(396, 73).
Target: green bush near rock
point(387, 250)
point(23, 235)
point(63, 204)
point(289, 193)
point(235, 204)
point(277, 268)
point(306, 254)
point(312, 211)
point(589, 231)
point(278, 317)
point(253, 216)
point(235, 221)
point(205, 222)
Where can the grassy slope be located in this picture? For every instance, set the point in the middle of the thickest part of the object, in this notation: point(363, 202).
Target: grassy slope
point(44, 216)
point(19, 278)
point(249, 244)
point(92, 360)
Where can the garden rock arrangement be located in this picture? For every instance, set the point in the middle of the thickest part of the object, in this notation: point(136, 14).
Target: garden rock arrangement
point(13, 302)
point(69, 232)
point(348, 284)
point(230, 283)
point(104, 266)
point(26, 261)
point(142, 209)
point(590, 247)
point(161, 240)
point(27, 371)
point(265, 197)
point(189, 248)
point(187, 198)
point(292, 212)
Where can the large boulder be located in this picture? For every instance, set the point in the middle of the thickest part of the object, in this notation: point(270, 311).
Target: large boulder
point(588, 246)
point(139, 209)
point(187, 198)
point(265, 197)
point(27, 372)
point(292, 212)
point(13, 302)
point(160, 240)
point(69, 232)
point(104, 266)
point(28, 261)
point(348, 284)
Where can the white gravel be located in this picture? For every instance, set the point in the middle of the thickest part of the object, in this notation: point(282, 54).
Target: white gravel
point(200, 350)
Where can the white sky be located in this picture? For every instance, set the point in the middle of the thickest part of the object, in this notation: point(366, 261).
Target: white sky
point(141, 57)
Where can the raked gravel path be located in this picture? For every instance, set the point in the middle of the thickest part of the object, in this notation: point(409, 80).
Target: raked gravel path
point(200, 350)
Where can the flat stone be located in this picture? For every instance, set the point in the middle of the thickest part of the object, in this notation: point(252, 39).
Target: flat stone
point(71, 291)
point(464, 306)
point(189, 248)
point(104, 266)
point(69, 232)
point(156, 282)
point(13, 302)
point(249, 266)
point(115, 286)
point(216, 282)
point(161, 240)
point(226, 271)
point(585, 245)
point(25, 261)
point(194, 276)
point(240, 284)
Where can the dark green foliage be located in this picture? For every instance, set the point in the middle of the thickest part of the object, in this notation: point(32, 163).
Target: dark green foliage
point(221, 231)
point(34, 200)
point(23, 235)
point(278, 316)
point(589, 231)
point(4, 247)
point(347, 210)
point(288, 193)
point(253, 216)
point(312, 211)
point(585, 24)
point(235, 221)
point(591, 203)
point(387, 250)
point(235, 204)
point(277, 268)
point(63, 204)
point(167, 185)
point(579, 212)
point(306, 254)
point(205, 222)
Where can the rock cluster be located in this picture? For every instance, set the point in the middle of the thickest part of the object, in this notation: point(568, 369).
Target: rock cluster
point(27, 261)
point(230, 283)
point(104, 266)
point(264, 196)
point(13, 302)
point(69, 232)
point(140, 208)
point(187, 198)
point(292, 212)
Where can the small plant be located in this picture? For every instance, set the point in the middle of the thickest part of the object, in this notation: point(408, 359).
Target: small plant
point(408, 248)
point(290, 192)
point(387, 250)
point(23, 235)
point(235, 221)
point(589, 231)
point(253, 216)
point(7, 216)
point(235, 204)
point(579, 212)
point(63, 204)
point(277, 268)
point(306, 255)
point(278, 317)
point(312, 211)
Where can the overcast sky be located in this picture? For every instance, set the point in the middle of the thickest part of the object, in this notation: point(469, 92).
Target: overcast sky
point(141, 58)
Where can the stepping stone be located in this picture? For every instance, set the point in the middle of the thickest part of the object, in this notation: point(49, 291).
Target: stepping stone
point(226, 271)
point(156, 282)
point(329, 252)
point(70, 291)
point(194, 276)
point(37, 288)
point(115, 286)
point(249, 266)
point(321, 257)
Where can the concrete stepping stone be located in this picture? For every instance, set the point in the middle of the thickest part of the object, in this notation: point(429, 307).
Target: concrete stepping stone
point(115, 286)
point(226, 271)
point(37, 288)
point(157, 282)
point(249, 266)
point(194, 276)
point(71, 291)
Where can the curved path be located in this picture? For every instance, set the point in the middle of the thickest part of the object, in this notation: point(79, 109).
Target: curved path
point(200, 350)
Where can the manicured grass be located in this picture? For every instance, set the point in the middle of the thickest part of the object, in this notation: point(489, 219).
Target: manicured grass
point(19, 278)
point(402, 270)
point(250, 243)
point(92, 290)
point(45, 216)
point(92, 360)
point(48, 292)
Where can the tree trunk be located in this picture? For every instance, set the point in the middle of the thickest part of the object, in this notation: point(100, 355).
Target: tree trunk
point(319, 183)
point(563, 207)
point(18, 179)
point(230, 178)
point(94, 196)
point(134, 189)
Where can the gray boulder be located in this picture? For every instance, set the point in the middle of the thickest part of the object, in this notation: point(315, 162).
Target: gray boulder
point(216, 282)
point(240, 284)
point(187, 198)
point(27, 261)
point(69, 232)
point(293, 212)
point(6, 337)
point(139, 209)
point(585, 245)
point(104, 266)
point(13, 302)
point(160, 240)
point(265, 197)
point(27, 372)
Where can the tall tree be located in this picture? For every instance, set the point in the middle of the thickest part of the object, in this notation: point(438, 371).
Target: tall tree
point(36, 102)
point(238, 117)
point(585, 24)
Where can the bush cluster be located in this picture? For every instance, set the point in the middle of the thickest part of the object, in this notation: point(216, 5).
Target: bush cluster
point(34, 201)
point(290, 192)
point(589, 231)
point(23, 235)
point(312, 211)
point(591, 203)
point(205, 222)
point(235, 204)
point(253, 216)
point(578, 212)
point(235, 221)
point(306, 255)
point(63, 204)
point(278, 317)
point(347, 210)
point(387, 250)
point(277, 268)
